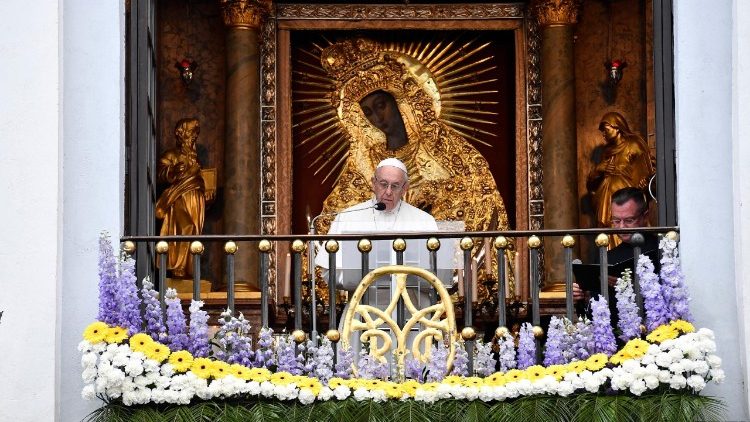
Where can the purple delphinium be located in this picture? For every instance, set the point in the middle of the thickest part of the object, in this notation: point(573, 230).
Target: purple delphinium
point(568, 341)
point(264, 353)
point(177, 338)
point(460, 360)
point(371, 368)
point(233, 337)
point(526, 347)
point(653, 301)
point(485, 362)
point(286, 356)
point(344, 361)
point(673, 287)
point(627, 310)
point(507, 353)
point(309, 363)
point(413, 368)
point(553, 348)
point(604, 337)
point(436, 369)
point(323, 358)
point(198, 345)
point(583, 336)
point(109, 310)
point(154, 319)
point(130, 304)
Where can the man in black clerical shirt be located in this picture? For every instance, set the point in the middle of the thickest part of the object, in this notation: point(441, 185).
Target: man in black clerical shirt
point(630, 209)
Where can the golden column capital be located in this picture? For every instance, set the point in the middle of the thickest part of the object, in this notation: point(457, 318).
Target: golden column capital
point(247, 14)
point(555, 12)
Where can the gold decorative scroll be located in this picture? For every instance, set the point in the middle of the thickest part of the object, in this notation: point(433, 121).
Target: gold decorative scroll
point(556, 12)
point(244, 13)
point(438, 321)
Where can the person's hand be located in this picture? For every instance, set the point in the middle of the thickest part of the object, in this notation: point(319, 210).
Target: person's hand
point(611, 280)
point(578, 294)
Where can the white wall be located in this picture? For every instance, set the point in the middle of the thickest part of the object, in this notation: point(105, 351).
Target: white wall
point(703, 85)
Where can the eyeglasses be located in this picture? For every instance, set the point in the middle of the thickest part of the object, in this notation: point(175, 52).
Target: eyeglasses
point(626, 221)
point(384, 185)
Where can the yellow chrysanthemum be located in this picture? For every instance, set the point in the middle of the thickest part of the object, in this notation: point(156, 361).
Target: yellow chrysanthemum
point(95, 332)
point(240, 371)
point(428, 386)
point(393, 390)
point(282, 378)
point(577, 366)
point(682, 326)
point(259, 374)
point(311, 384)
point(535, 372)
point(515, 375)
point(557, 371)
point(116, 334)
point(664, 332)
point(472, 382)
point(181, 360)
point(140, 341)
point(635, 348)
point(335, 382)
point(220, 369)
point(452, 380)
point(356, 383)
point(156, 351)
point(596, 362)
point(410, 387)
point(202, 367)
point(619, 357)
point(496, 379)
point(372, 384)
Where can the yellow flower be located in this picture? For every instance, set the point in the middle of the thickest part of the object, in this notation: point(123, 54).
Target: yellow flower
point(393, 390)
point(410, 387)
point(95, 332)
point(116, 334)
point(156, 351)
point(515, 375)
point(472, 382)
point(577, 366)
point(452, 380)
point(202, 367)
point(372, 384)
point(428, 386)
point(635, 348)
point(356, 383)
point(282, 378)
point(661, 333)
point(220, 369)
point(181, 360)
point(619, 357)
point(557, 371)
point(596, 362)
point(683, 326)
point(337, 382)
point(259, 374)
point(535, 372)
point(240, 371)
point(496, 379)
point(140, 341)
point(312, 384)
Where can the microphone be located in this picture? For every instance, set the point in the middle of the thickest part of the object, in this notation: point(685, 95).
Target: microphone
point(379, 206)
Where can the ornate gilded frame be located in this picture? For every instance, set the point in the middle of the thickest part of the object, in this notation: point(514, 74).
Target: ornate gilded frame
point(276, 133)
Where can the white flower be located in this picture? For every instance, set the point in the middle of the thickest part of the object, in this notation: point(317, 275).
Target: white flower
point(592, 384)
point(342, 392)
point(325, 394)
point(266, 389)
point(88, 360)
point(664, 376)
point(717, 375)
point(714, 361)
point(652, 381)
point(88, 392)
point(700, 367)
point(677, 382)
point(361, 394)
point(421, 395)
point(706, 333)
point(378, 395)
point(84, 346)
point(89, 375)
point(471, 393)
point(648, 359)
point(696, 382)
point(663, 360)
point(167, 369)
point(653, 350)
point(150, 365)
point(253, 388)
point(486, 393)
point(565, 388)
point(677, 368)
point(306, 396)
point(638, 387)
point(99, 347)
point(134, 367)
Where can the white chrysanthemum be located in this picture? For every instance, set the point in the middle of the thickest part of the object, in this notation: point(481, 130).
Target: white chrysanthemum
point(663, 359)
point(717, 375)
point(696, 382)
point(591, 384)
point(565, 388)
point(486, 393)
point(677, 382)
point(342, 392)
point(89, 375)
point(378, 396)
point(99, 347)
point(361, 394)
point(713, 361)
point(150, 365)
point(706, 333)
point(266, 389)
point(325, 394)
point(653, 350)
point(88, 360)
point(664, 376)
point(185, 397)
point(638, 387)
point(652, 381)
point(88, 392)
point(167, 369)
point(421, 395)
point(253, 388)
point(306, 396)
point(84, 346)
point(471, 393)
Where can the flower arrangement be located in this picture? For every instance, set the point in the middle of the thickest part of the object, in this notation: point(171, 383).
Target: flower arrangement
point(152, 361)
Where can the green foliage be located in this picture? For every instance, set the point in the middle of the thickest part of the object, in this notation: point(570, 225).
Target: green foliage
point(663, 406)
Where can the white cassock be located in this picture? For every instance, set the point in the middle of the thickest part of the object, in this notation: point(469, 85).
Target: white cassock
point(404, 218)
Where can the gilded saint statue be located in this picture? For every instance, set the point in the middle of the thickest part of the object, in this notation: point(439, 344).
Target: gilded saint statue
point(626, 162)
point(389, 106)
point(182, 205)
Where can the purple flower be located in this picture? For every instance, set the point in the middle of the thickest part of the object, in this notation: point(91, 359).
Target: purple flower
point(460, 360)
point(286, 356)
point(485, 363)
point(526, 347)
point(604, 337)
point(583, 337)
point(154, 319)
point(413, 368)
point(233, 337)
point(264, 353)
point(657, 312)
point(323, 358)
point(344, 362)
point(177, 337)
point(198, 345)
point(507, 354)
point(130, 304)
point(309, 363)
point(627, 310)
point(370, 367)
point(436, 369)
point(553, 350)
point(109, 310)
point(673, 287)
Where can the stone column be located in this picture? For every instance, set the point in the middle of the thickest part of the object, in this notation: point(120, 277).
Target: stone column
point(242, 142)
point(556, 19)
